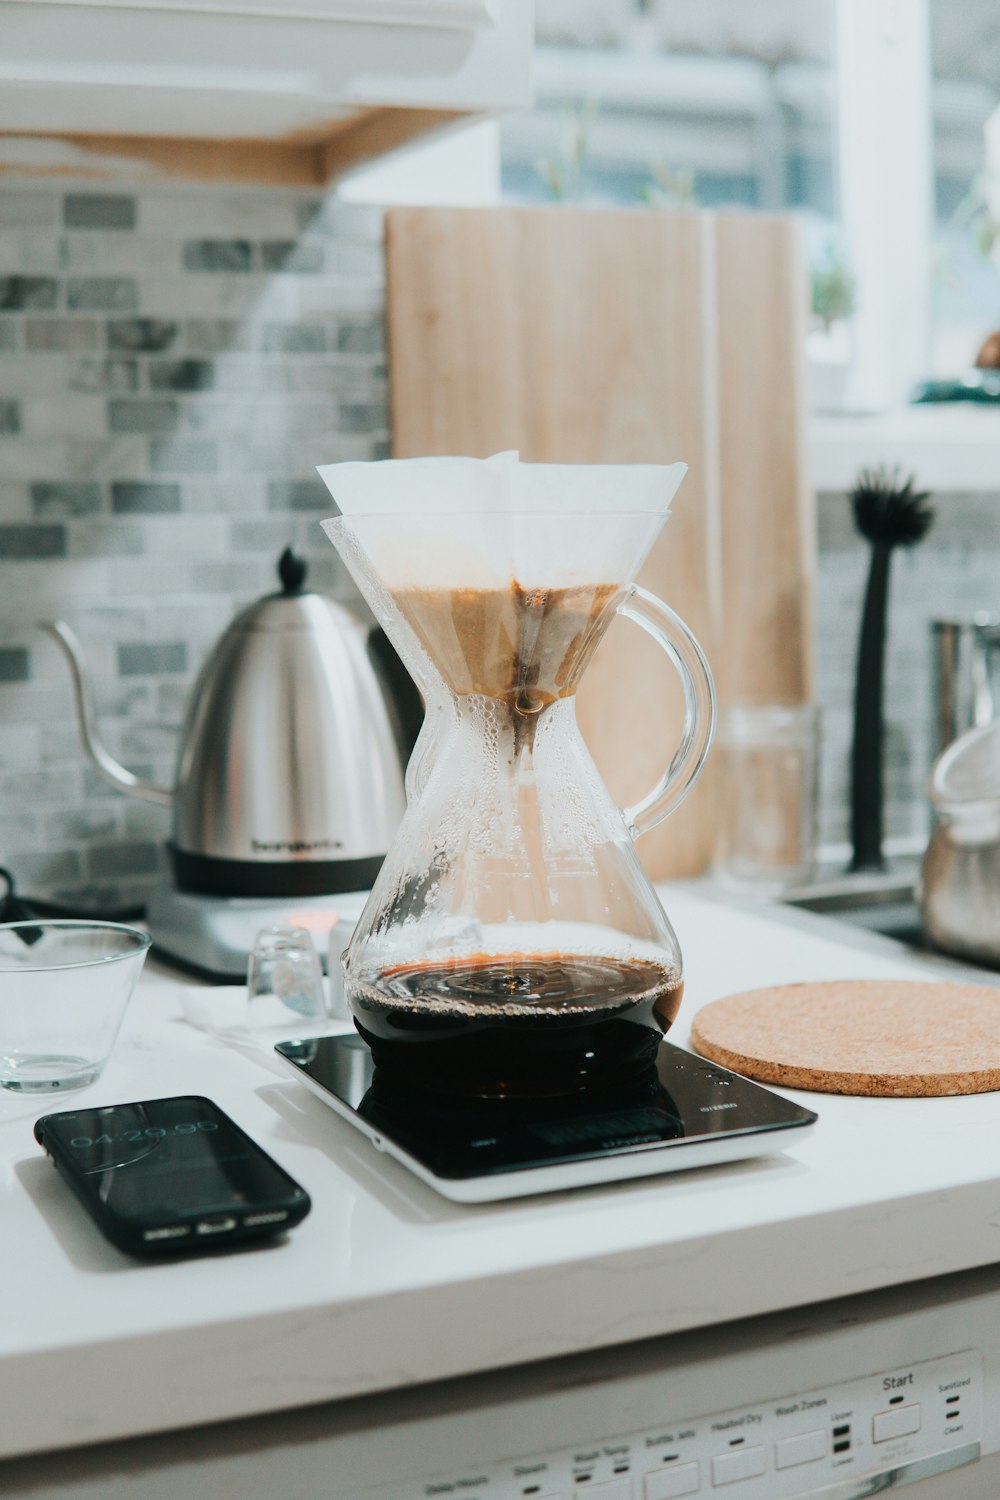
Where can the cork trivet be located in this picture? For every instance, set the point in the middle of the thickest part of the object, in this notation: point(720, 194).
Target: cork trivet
point(876, 1037)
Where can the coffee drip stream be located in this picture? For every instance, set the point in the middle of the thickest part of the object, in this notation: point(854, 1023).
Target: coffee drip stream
point(512, 945)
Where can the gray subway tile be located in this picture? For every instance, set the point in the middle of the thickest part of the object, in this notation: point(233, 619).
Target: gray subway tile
point(362, 446)
point(43, 870)
point(293, 256)
point(233, 495)
point(254, 455)
point(153, 417)
point(218, 255)
point(122, 859)
point(10, 418)
point(102, 294)
point(99, 211)
point(213, 335)
point(19, 293)
point(15, 504)
point(106, 538)
point(141, 739)
point(142, 335)
point(14, 664)
point(184, 456)
point(356, 260)
point(28, 208)
point(181, 375)
point(294, 338)
point(329, 576)
point(104, 376)
point(309, 213)
point(298, 494)
point(255, 374)
point(343, 221)
point(300, 419)
point(360, 336)
point(34, 785)
point(65, 497)
point(336, 376)
point(260, 536)
point(145, 497)
point(18, 830)
point(362, 416)
point(21, 378)
point(147, 577)
point(81, 823)
point(144, 821)
point(31, 542)
point(147, 659)
point(61, 335)
point(227, 577)
point(172, 699)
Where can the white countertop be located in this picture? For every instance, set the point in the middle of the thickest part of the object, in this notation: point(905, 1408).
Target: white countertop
point(386, 1284)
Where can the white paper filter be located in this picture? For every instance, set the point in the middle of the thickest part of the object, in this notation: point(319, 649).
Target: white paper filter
point(483, 523)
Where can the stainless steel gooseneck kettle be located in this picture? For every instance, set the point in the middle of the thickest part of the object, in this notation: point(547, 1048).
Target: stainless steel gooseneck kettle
point(290, 765)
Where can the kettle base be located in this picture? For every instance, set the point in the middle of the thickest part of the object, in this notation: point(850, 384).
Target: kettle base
point(206, 875)
point(211, 936)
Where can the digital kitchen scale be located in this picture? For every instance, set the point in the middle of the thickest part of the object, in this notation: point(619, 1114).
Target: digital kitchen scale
point(686, 1113)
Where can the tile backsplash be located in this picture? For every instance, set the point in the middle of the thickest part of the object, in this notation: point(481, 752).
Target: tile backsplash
point(173, 363)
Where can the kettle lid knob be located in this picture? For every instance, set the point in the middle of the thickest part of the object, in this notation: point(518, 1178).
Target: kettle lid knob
point(291, 571)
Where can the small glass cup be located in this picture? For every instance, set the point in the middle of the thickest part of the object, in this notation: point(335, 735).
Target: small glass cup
point(766, 833)
point(64, 988)
point(285, 982)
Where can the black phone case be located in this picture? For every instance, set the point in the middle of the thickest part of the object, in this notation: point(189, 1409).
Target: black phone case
point(257, 1222)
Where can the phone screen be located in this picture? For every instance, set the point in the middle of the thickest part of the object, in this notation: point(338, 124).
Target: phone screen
point(164, 1170)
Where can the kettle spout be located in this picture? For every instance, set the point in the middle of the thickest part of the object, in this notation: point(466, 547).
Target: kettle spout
point(104, 762)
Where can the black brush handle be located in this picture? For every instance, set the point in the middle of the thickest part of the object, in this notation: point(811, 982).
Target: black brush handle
point(867, 751)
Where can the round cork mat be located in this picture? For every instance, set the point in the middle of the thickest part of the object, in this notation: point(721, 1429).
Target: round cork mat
point(896, 1038)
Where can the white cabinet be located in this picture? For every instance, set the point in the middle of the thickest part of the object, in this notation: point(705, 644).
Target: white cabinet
point(344, 80)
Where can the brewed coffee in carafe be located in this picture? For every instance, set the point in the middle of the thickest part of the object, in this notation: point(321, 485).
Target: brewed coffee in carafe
point(512, 944)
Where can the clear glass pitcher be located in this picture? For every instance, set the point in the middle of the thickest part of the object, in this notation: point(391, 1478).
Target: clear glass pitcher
point(512, 944)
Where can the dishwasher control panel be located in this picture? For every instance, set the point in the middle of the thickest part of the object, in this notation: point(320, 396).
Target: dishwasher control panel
point(897, 1426)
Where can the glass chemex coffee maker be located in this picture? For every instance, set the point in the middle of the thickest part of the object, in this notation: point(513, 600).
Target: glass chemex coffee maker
point(512, 945)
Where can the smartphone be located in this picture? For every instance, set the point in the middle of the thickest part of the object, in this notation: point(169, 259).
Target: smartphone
point(171, 1176)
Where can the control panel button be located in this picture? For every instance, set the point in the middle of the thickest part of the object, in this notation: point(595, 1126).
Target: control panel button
point(617, 1489)
point(899, 1422)
point(742, 1463)
point(665, 1484)
point(804, 1448)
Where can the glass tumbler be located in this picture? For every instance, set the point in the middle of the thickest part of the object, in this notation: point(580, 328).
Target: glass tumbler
point(284, 981)
point(64, 988)
point(766, 833)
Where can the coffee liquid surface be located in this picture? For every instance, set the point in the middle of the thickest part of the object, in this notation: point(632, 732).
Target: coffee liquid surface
point(548, 1024)
point(524, 646)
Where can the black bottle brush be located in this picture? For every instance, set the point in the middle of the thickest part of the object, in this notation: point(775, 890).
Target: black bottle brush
point(889, 513)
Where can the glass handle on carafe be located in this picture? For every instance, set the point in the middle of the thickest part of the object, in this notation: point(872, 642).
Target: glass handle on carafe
point(691, 666)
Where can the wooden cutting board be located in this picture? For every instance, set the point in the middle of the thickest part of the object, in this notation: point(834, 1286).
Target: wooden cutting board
point(583, 336)
point(892, 1038)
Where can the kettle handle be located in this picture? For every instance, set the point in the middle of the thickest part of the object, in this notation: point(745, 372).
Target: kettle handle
point(689, 662)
